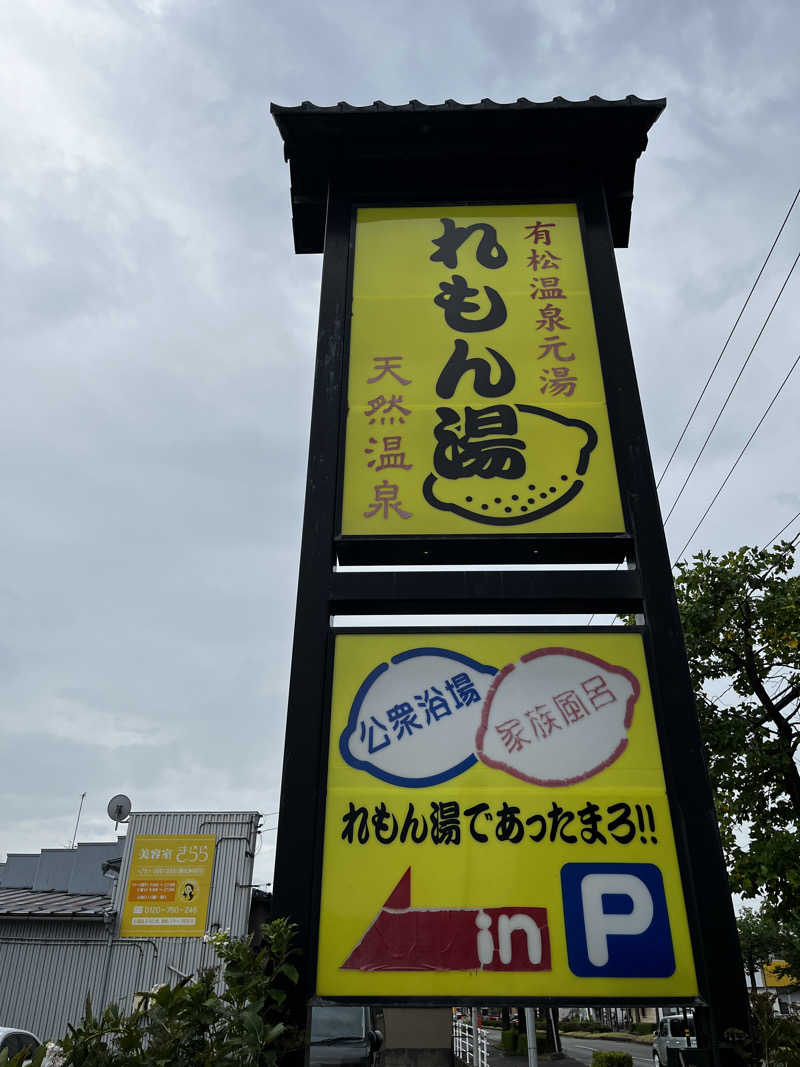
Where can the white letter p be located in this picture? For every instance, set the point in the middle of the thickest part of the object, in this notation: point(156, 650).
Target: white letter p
point(598, 924)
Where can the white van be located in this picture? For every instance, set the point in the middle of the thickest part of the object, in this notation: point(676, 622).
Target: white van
point(672, 1032)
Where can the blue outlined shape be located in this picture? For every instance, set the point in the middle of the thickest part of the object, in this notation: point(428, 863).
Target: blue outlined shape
point(364, 688)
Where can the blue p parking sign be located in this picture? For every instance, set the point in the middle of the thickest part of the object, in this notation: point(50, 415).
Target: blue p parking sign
point(616, 920)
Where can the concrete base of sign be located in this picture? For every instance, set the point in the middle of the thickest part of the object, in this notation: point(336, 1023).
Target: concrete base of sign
point(417, 1037)
point(417, 1057)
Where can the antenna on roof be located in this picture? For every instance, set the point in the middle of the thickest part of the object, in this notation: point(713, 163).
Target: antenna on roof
point(80, 809)
point(119, 808)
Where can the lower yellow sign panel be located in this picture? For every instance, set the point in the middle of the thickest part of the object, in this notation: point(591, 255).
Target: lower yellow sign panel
point(497, 822)
point(168, 885)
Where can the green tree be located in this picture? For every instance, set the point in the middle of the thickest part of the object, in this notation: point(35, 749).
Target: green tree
point(759, 938)
point(789, 946)
point(741, 619)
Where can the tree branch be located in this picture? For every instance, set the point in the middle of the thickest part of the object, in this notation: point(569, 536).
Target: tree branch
point(793, 693)
point(790, 775)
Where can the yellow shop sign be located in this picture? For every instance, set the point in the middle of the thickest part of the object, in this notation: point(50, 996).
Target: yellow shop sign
point(168, 885)
point(475, 395)
point(497, 821)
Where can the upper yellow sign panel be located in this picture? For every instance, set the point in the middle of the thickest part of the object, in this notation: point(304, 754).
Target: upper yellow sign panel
point(475, 395)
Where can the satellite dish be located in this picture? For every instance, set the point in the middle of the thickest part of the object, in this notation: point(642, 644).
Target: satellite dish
point(119, 808)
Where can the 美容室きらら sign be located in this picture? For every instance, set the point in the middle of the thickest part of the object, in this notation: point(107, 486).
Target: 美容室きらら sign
point(497, 822)
point(475, 394)
point(169, 885)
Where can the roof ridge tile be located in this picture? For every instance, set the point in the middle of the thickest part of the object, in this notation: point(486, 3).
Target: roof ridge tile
point(486, 103)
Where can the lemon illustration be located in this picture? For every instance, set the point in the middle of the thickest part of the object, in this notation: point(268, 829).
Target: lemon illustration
point(508, 464)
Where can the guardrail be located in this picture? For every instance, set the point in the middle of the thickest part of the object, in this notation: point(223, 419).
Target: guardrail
point(470, 1044)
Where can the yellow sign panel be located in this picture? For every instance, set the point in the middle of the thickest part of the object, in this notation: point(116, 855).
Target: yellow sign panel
point(497, 822)
point(168, 885)
point(773, 976)
point(475, 395)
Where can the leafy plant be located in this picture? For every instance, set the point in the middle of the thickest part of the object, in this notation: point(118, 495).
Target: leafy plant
point(611, 1059)
point(23, 1057)
point(777, 1036)
point(586, 1026)
point(509, 1039)
point(542, 1044)
point(190, 1024)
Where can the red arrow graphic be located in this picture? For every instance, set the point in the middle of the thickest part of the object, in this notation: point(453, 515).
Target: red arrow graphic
point(403, 938)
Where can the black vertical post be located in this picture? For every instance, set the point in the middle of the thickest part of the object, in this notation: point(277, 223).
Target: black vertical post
point(299, 846)
point(710, 909)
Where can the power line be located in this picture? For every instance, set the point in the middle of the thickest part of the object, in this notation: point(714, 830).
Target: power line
point(716, 364)
point(772, 567)
point(730, 391)
point(727, 342)
point(735, 463)
point(767, 543)
point(775, 537)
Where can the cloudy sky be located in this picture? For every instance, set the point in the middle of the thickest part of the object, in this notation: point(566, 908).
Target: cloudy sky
point(158, 340)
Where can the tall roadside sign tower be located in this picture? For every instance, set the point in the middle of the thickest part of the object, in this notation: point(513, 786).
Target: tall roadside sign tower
point(481, 814)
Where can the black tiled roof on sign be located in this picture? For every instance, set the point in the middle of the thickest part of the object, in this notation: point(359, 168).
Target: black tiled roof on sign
point(562, 136)
point(521, 103)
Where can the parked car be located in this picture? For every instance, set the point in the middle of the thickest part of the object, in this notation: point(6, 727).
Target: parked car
point(672, 1032)
point(14, 1041)
point(347, 1036)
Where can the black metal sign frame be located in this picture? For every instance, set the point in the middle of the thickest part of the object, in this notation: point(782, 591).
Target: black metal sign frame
point(645, 589)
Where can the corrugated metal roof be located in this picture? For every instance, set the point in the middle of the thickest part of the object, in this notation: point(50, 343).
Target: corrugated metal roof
point(461, 150)
point(65, 870)
point(32, 903)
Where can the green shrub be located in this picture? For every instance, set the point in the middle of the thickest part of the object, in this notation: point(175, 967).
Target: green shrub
point(641, 1028)
point(190, 1023)
point(586, 1026)
point(611, 1059)
point(541, 1044)
point(509, 1039)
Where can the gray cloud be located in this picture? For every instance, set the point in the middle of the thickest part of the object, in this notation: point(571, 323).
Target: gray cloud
point(161, 335)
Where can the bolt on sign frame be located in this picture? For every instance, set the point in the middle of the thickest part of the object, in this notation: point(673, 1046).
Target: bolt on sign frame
point(485, 815)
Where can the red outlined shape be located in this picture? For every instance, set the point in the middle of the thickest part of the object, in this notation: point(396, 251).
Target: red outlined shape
point(402, 938)
point(575, 654)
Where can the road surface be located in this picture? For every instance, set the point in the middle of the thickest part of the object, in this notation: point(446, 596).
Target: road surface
point(581, 1048)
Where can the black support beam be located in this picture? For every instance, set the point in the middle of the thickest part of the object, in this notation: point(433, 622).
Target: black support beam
point(448, 592)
